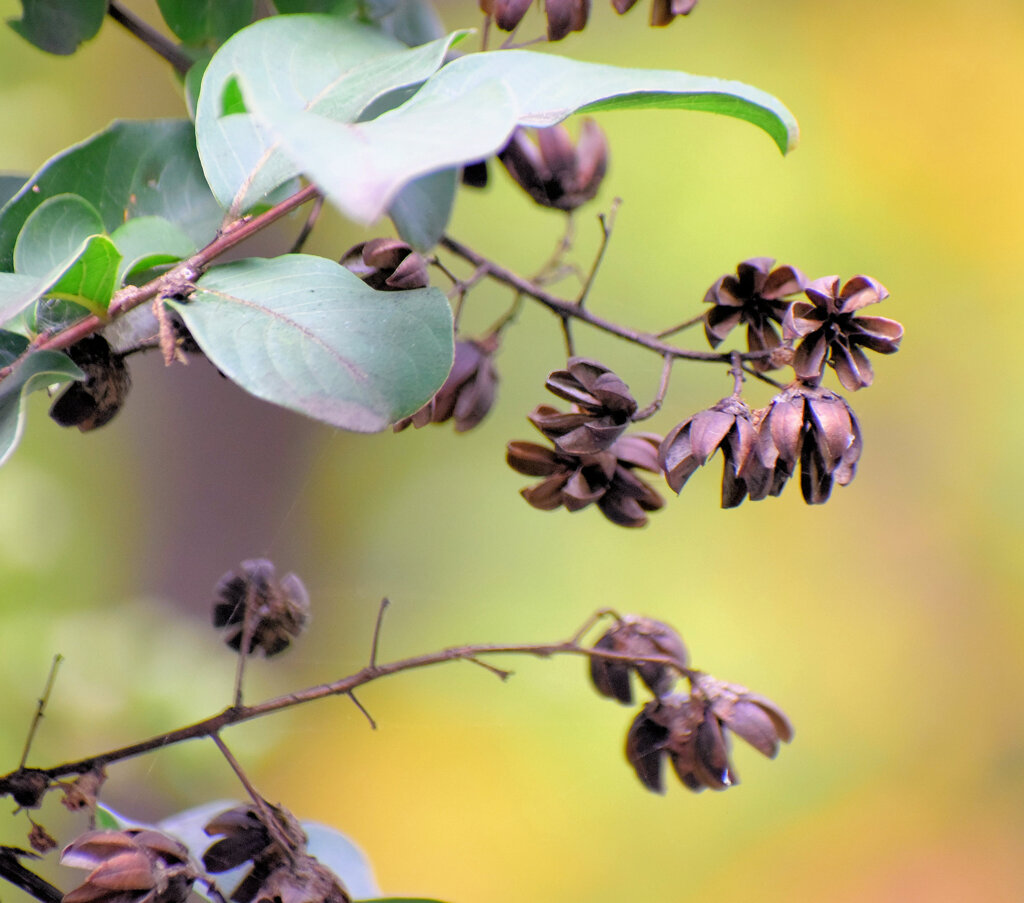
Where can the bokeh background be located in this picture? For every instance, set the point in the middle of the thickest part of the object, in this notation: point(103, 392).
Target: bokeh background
point(888, 623)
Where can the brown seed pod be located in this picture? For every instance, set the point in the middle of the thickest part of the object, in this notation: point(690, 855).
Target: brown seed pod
point(94, 401)
point(278, 608)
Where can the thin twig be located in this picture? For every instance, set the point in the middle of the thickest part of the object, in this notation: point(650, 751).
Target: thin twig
point(607, 224)
point(149, 36)
point(564, 308)
point(736, 372)
point(655, 406)
point(40, 709)
point(307, 226)
point(384, 603)
point(215, 723)
point(508, 317)
point(570, 347)
point(757, 374)
point(362, 708)
point(174, 281)
point(248, 629)
point(686, 324)
point(267, 816)
point(500, 672)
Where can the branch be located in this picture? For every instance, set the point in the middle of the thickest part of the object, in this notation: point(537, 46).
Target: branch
point(152, 38)
point(210, 727)
point(174, 281)
point(567, 310)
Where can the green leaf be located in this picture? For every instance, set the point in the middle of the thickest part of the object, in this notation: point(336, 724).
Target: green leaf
point(60, 245)
point(59, 26)
point(18, 291)
point(130, 169)
point(318, 64)
point(414, 22)
point(305, 333)
point(313, 6)
point(12, 346)
point(149, 241)
point(54, 233)
point(206, 21)
point(467, 110)
point(38, 370)
point(10, 185)
point(421, 210)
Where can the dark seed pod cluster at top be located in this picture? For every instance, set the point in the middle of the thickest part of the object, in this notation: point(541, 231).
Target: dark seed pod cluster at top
point(566, 16)
point(278, 608)
point(94, 401)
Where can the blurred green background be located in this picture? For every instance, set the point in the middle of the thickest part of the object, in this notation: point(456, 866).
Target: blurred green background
point(887, 623)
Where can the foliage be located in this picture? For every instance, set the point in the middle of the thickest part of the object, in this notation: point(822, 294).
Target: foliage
point(115, 247)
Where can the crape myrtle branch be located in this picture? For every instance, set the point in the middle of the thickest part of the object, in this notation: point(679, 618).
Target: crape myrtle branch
point(152, 38)
point(573, 310)
point(209, 727)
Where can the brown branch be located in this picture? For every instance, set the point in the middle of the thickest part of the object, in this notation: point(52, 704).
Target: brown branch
point(209, 727)
point(571, 310)
point(13, 871)
point(149, 36)
point(174, 281)
point(40, 708)
point(655, 406)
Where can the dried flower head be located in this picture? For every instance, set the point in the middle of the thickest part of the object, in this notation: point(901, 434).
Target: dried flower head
point(40, 839)
point(83, 791)
point(693, 732)
point(809, 425)
point(753, 296)
point(138, 865)
point(276, 876)
point(387, 264)
point(278, 609)
point(664, 11)
point(606, 478)
point(26, 786)
point(554, 172)
point(94, 401)
point(728, 426)
point(467, 394)
point(641, 638)
point(829, 329)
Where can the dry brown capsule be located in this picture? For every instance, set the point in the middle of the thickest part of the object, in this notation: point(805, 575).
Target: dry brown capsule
point(94, 401)
point(750, 716)
point(279, 609)
point(810, 425)
point(467, 394)
point(727, 426)
point(387, 264)
point(132, 866)
point(664, 11)
point(639, 637)
point(275, 876)
point(554, 172)
point(605, 478)
point(755, 296)
point(828, 328)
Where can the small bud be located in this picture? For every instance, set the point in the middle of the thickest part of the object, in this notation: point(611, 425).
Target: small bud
point(94, 401)
point(279, 609)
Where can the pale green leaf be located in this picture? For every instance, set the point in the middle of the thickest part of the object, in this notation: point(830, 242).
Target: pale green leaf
point(305, 333)
point(59, 26)
point(421, 210)
point(319, 64)
point(130, 169)
point(54, 234)
point(149, 241)
point(36, 371)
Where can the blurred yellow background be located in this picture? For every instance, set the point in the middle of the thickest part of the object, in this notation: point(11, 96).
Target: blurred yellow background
point(888, 623)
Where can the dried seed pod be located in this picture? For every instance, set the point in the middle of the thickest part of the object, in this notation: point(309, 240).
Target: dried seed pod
point(138, 865)
point(751, 716)
point(726, 425)
point(278, 609)
point(467, 394)
point(94, 401)
point(554, 172)
point(387, 264)
point(829, 329)
point(40, 839)
point(639, 637)
point(83, 791)
point(26, 786)
point(755, 296)
point(664, 11)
